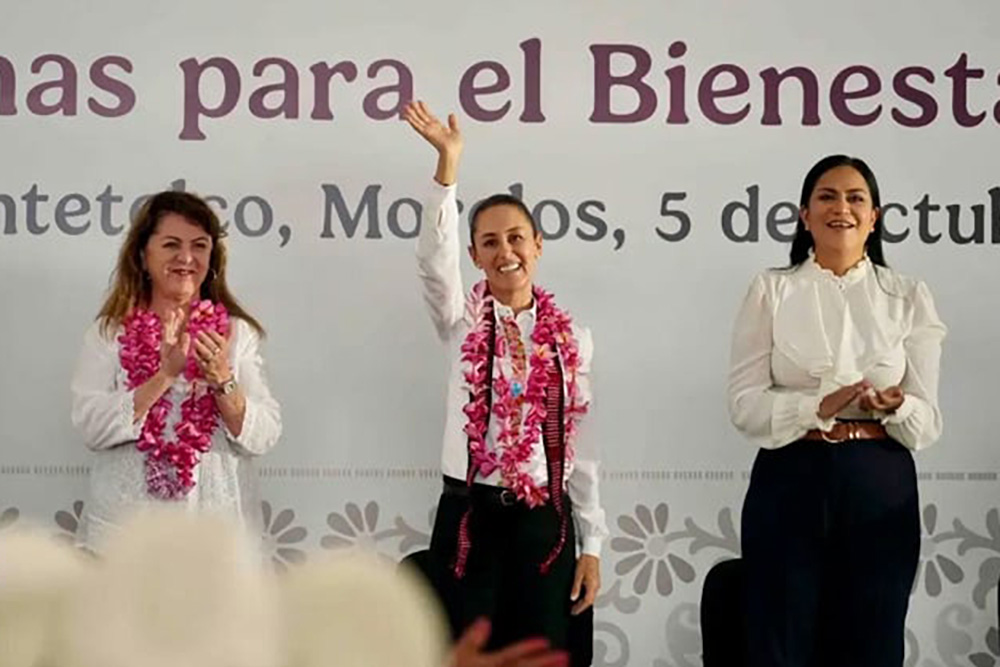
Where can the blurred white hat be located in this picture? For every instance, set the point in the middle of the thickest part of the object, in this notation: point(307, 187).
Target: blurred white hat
point(174, 588)
point(37, 574)
point(359, 611)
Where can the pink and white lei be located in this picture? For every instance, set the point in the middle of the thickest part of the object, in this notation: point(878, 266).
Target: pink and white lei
point(552, 334)
point(170, 465)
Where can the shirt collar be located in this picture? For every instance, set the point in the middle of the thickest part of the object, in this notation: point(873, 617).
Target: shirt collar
point(854, 274)
point(504, 311)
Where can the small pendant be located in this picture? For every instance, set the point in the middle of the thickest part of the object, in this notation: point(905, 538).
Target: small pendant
point(516, 388)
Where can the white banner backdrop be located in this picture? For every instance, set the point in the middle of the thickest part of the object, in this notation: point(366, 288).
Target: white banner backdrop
point(660, 143)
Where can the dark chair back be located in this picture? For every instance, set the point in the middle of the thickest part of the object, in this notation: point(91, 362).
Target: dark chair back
point(723, 630)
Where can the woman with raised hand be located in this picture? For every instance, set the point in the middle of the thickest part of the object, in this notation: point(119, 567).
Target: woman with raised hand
point(520, 468)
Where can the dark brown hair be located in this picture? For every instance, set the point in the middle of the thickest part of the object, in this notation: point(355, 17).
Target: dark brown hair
point(803, 241)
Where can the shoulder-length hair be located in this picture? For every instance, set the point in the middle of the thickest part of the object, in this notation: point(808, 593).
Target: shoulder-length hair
point(130, 285)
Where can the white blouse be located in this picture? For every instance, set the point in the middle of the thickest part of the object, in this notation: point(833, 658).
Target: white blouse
point(438, 254)
point(102, 411)
point(805, 332)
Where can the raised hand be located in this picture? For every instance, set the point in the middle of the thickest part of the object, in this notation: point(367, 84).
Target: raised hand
point(447, 140)
point(444, 138)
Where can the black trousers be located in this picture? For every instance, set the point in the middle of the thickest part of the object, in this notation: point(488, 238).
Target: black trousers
point(831, 540)
point(502, 579)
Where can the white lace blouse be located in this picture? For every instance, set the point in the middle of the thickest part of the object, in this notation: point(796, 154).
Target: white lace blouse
point(102, 412)
point(805, 332)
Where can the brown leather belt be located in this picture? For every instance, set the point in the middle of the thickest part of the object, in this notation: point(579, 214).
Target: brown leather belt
point(849, 430)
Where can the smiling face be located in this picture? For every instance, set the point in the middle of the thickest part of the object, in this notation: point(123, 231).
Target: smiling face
point(840, 214)
point(506, 247)
point(177, 258)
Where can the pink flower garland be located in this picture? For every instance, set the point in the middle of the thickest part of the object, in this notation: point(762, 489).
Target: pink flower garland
point(552, 334)
point(170, 465)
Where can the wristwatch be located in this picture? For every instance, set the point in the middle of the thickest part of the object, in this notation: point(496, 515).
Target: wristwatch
point(227, 387)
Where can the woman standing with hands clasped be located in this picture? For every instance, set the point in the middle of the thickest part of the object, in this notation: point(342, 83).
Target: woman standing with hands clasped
point(834, 375)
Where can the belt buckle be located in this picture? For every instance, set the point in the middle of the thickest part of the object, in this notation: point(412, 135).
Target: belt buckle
point(507, 498)
point(853, 433)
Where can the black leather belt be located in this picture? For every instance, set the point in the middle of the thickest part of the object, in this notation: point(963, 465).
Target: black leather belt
point(484, 493)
